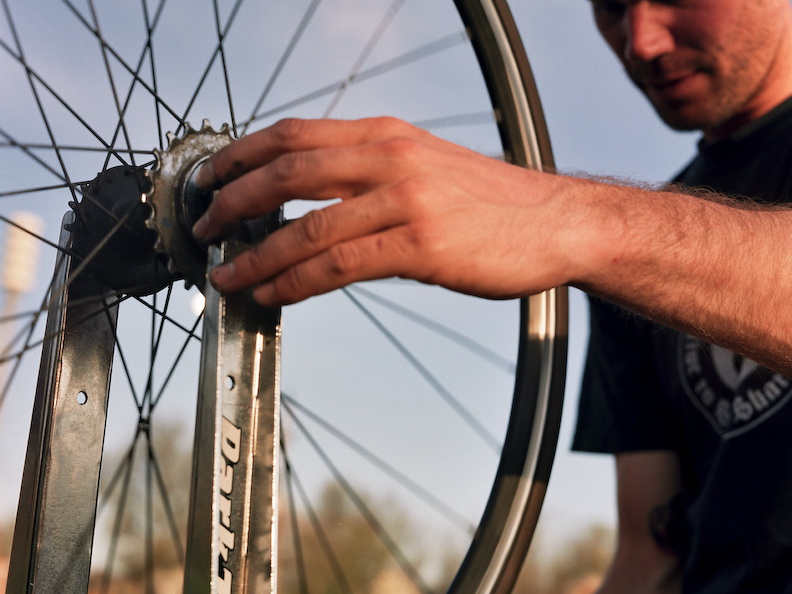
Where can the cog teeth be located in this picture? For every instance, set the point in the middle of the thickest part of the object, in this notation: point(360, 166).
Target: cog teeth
point(165, 197)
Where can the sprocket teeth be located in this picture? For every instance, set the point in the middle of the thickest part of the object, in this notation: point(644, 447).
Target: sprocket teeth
point(166, 201)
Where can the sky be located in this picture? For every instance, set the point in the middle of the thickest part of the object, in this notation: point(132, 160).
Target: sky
point(598, 125)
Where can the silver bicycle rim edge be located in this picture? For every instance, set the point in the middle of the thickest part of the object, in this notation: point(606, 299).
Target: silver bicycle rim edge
point(496, 555)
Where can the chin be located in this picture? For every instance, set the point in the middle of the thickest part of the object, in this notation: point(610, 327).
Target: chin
point(683, 118)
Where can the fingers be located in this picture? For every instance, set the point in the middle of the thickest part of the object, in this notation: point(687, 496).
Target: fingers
point(305, 238)
point(306, 175)
point(363, 259)
point(309, 174)
point(294, 135)
point(374, 256)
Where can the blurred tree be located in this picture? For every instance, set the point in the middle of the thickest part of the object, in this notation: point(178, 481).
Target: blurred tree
point(575, 567)
point(142, 524)
point(338, 550)
point(6, 535)
point(583, 560)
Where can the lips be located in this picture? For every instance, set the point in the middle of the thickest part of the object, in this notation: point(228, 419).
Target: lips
point(669, 86)
point(668, 81)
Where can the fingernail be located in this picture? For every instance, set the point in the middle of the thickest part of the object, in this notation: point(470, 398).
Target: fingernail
point(221, 275)
point(205, 178)
point(200, 228)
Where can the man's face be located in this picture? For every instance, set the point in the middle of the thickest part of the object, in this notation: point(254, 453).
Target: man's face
point(703, 64)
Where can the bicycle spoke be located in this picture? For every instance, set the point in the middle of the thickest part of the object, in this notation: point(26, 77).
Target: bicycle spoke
point(169, 512)
point(321, 535)
point(113, 89)
point(66, 147)
point(125, 471)
point(454, 336)
point(370, 45)
point(287, 52)
point(224, 67)
point(365, 511)
point(453, 402)
point(169, 375)
point(462, 119)
point(402, 479)
point(139, 403)
point(215, 53)
point(34, 90)
point(302, 574)
point(51, 306)
point(188, 331)
point(149, 50)
point(426, 51)
point(134, 72)
point(33, 77)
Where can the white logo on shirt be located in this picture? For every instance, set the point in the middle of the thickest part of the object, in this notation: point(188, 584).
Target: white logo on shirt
point(734, 393)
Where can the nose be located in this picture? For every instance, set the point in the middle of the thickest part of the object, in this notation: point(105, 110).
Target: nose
point(648, 32)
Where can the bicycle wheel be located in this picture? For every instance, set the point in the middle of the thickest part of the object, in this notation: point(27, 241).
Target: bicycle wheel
point(437, 409)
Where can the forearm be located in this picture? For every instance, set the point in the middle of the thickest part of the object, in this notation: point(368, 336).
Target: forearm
point(646, 481)
point(711, 269)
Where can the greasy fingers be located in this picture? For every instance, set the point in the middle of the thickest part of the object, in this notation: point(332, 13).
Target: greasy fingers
point(311, 174)
point(297, 175)
point(335, 267)
point(292, 135)
point(371, 257)
point(305, 238)
point(252, 151)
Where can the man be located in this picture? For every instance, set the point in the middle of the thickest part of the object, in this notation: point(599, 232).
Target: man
point(418, 207)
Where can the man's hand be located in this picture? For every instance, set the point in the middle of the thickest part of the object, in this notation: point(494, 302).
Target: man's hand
point(414, 206)
point(411, 205)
